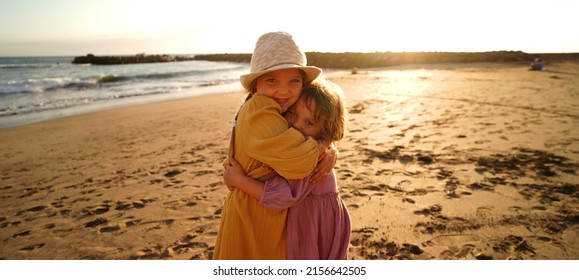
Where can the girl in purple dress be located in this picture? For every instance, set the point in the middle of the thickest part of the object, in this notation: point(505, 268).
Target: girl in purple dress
point(318, 223)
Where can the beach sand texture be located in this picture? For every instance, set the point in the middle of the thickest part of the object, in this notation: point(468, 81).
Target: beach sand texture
point(455, 161)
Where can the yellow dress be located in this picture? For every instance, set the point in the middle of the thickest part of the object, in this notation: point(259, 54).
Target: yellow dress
point(263, 145)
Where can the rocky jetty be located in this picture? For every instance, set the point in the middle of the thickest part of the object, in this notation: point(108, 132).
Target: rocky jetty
point(229, 57)
point(139, 58)
point(350, 60)
point(346, 60)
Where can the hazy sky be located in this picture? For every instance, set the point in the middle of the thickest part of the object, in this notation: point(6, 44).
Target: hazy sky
point(78, 27)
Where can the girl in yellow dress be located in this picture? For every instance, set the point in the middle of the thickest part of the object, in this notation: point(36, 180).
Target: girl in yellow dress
point(264, 146)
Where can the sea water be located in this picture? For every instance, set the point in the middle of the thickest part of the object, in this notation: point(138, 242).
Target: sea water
point(34, 89)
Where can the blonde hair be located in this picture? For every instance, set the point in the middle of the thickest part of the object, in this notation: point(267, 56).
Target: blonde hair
point(327, 101)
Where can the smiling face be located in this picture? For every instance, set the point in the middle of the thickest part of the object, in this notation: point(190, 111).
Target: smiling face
point(302, 118)
point(284, 86)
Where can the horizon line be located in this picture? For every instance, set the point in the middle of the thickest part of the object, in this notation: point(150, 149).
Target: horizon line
point(245, 53)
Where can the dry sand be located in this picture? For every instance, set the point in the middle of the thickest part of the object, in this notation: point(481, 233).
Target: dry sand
point(463, 161)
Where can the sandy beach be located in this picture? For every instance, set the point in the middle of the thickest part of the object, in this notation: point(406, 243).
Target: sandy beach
point(442, 161)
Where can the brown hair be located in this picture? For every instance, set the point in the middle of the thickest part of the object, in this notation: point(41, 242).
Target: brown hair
point(327, 100)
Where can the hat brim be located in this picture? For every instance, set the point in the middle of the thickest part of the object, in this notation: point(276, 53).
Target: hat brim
point(311, 72)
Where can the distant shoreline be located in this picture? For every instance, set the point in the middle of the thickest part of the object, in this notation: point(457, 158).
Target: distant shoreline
point(344, 60)
point(349, 60)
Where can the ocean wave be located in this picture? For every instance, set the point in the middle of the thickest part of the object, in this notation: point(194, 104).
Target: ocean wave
point(112, 79)
point(50, 103)
point(162, 76)
point(25, 66)
point(43, 85)
point(29, 88)
point(203, 77)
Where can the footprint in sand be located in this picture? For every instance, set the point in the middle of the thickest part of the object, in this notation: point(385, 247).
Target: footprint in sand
point(37, 208)
point(454, 252)
point(173, 173)
point(514, 246)
point(125, 205)
point(133, 222)
point(145, 254)
point(32, 247)
point(58, 204)
point(110, 229)
point(345, 173)
point(21, 233)
point(358, 235)
point(96, 222)
point(457, 246)
point(33, 209)
point(101, 209)
point(203, 172)
point(30, 193)
point(434, 209)
point(365, 245)
point(353, 206)
point(185, 246)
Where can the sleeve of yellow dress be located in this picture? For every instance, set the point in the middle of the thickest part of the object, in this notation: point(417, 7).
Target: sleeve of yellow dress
point(273, 143)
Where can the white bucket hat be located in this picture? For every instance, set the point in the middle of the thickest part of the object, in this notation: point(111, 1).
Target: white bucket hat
point(276, 51)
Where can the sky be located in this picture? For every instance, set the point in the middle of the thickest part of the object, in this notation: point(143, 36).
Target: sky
point(120, 27)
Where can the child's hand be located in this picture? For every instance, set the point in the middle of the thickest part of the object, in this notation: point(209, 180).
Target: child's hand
point(326, 163)
point(233, 174)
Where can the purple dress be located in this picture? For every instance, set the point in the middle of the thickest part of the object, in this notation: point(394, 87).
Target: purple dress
point(318, 222)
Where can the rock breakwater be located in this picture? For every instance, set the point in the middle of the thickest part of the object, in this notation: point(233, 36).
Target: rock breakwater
point(139, 58)
point(348, 60)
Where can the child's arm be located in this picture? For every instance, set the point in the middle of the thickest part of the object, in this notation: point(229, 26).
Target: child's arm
point(276, 193)
point(235, 178)
point(327, 160)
